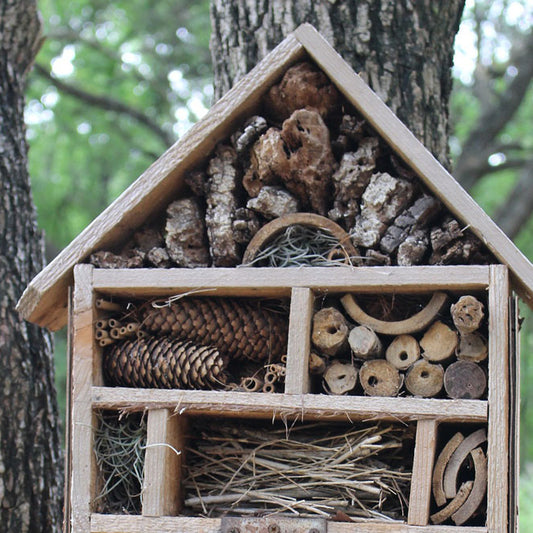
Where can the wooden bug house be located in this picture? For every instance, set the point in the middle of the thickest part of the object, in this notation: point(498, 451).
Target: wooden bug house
point(294, 321)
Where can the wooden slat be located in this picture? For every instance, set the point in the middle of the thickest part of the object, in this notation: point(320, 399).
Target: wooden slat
point(277, 281)
point(262, 405)
point(137, 524)
point(498, 397)
point(413, 152)
point(424, 458)
point(44, 301)
point(82, 457)
point(299, 343)
point(162, 464)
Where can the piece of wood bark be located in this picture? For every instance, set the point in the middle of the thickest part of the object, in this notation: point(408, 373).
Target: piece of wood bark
point(185, 234)
point(467, 314)
point(424, 379)
point(439, 342)
point(130, 259)
point(317, 364)
point(252, 129)
point(437, 481)
point(302, 85)
point(340, 378)
point(465, 380)
point(460, 498)
point(221, 206)
point(421, 213)
point(148, 238)
point(403, 351)
point(354, 128)
point(379, 378)
point(330, 331)
point(245, 225)
point(351, 179)
point(197, 181)
point(414, 324)
point(159, 258)
point(383, 200)
point(413, 250)
point(472, 347)
point(375, 258)
point(364, 343)
point(273, 202)
point(451, 472)
point(468, 509)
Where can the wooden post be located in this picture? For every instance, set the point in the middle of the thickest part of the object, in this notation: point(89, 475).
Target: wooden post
point(299, 342)
point(162, 465)
point(83, 421)
point(420, 496)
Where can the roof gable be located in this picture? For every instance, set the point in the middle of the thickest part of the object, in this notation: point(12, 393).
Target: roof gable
point(45, 299)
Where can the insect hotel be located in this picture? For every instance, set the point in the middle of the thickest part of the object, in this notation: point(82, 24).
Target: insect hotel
point(294, 321)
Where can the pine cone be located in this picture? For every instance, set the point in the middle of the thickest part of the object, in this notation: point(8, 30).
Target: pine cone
point(238, 328)
point(164, 363)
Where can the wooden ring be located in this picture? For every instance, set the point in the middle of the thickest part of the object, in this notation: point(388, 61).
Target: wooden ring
point(276, 226)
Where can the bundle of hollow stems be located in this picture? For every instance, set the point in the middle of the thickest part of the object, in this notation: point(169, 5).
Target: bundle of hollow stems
point(119, 448)
point(311, 469)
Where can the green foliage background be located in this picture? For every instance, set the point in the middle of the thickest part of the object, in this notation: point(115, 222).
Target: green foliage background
point(153, 59)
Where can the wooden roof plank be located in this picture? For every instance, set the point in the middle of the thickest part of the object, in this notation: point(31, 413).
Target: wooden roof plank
point(414, 153)
point(42, 300)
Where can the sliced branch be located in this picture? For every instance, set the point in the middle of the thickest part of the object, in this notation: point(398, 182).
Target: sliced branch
point(403, 351)
point(438, 343)
point(340, 378)
point(364, 343)
point(379, 378)
point(330, 331)
point(424, 379)
point(465, 380)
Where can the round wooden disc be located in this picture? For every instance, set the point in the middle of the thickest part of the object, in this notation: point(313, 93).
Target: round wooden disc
point(379, 378)
point(340, 378)
point(403, 351)
point(424, 379)
point(465, 380)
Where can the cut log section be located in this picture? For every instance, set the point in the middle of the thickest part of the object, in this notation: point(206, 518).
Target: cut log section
point(477, 493)
point(458, 457)
point(460, 498)
point(317, 364)
point(364, 343)
point(439, 343)
point(465, 380)
point(403, 351)
point(467, 314)
point(472, 347)
point(330, 331)
point(379, 378)
point(417, 322)
point(437, 481)
point(424, 379)
point(340, 378)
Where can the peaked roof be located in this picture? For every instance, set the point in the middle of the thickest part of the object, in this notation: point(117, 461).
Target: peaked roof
point(45, 299)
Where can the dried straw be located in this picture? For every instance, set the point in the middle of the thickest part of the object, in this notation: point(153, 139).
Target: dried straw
point(119, 448)
point(313, 469)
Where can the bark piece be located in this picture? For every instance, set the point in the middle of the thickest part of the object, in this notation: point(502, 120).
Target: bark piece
point(303, 85)
point(403, 351)
point(439, 342)
point(245, 225)
point(299, 156)
point(340, 378)
point(442, 235)
point(458, 457)
point(351, 179)
point(364, 343)
point(273, 202)
point(465, 380)
point(379, 378)
point(317, 364)
point(437, 482)
point(413, 250)
point(384, 198)
point(478, 491)
point(251, 131)
point(424, 379)
point(352, 127)
point(467, 314)
point(131, 259)
point(330, 331)
point(472, 347)
point(460, 498)
point(375, 258)
point(185, 236)
point(148, 238)
point(418, 215)
point(221, 206)
point(159, 258)
point(416, 323)
point(197, 181)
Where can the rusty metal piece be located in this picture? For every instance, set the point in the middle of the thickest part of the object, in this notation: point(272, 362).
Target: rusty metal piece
point(274, 524)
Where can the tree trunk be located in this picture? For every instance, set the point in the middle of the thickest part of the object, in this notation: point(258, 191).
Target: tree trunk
point(30, 449)
point(403, 50)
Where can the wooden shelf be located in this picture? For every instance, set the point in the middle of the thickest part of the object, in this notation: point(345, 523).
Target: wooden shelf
point(260, 405)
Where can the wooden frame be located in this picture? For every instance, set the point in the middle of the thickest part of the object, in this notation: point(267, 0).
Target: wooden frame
point(167, 409)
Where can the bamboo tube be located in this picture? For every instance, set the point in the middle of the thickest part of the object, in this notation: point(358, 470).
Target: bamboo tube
point(403, 351)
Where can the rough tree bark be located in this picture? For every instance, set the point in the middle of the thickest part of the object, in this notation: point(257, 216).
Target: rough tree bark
point(30, 449)
point(404, 50)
